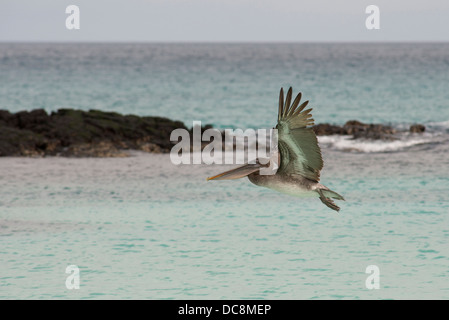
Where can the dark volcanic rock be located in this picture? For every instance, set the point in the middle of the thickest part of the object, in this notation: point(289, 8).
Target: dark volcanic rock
point(5, 117)
point(35, 120)
point(358, 130)
point(70, 132)
point(369, 131)
point(325, 129)
point(19, 142)
point(417, 128)
point(95, 133)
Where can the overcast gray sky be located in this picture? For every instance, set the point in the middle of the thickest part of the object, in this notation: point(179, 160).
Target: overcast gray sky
point(224, 20)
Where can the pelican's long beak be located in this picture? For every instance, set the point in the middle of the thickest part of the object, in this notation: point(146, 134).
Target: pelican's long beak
point(236, 173)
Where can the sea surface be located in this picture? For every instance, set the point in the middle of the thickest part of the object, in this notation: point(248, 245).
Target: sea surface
point(142, 228)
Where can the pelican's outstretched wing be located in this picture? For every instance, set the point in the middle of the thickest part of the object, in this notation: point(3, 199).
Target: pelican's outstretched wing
point(297, 142)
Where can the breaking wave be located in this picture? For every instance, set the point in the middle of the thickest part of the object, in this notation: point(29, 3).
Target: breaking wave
point(401, 142)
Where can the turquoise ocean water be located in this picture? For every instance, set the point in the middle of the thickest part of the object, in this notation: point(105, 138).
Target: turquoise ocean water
point(140, 227)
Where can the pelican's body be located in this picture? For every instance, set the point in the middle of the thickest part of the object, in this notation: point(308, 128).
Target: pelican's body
point(294, 186)
point(299, 157)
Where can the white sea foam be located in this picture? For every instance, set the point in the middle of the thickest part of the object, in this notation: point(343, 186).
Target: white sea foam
point(348, 143)
point(441, 125)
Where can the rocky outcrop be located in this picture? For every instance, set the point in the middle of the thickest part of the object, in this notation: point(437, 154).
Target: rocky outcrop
point(326, 129)
point(95, 133)
point(363, 130)
point(417, 128)
point(70, 132)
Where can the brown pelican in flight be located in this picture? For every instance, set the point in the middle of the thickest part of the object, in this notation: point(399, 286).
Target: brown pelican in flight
point(299, 157)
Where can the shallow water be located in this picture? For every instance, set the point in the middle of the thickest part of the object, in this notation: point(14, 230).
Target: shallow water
point(140, 227)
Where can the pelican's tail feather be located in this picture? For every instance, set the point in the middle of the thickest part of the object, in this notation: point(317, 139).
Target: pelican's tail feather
point(332, 194)
point(326, 195)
